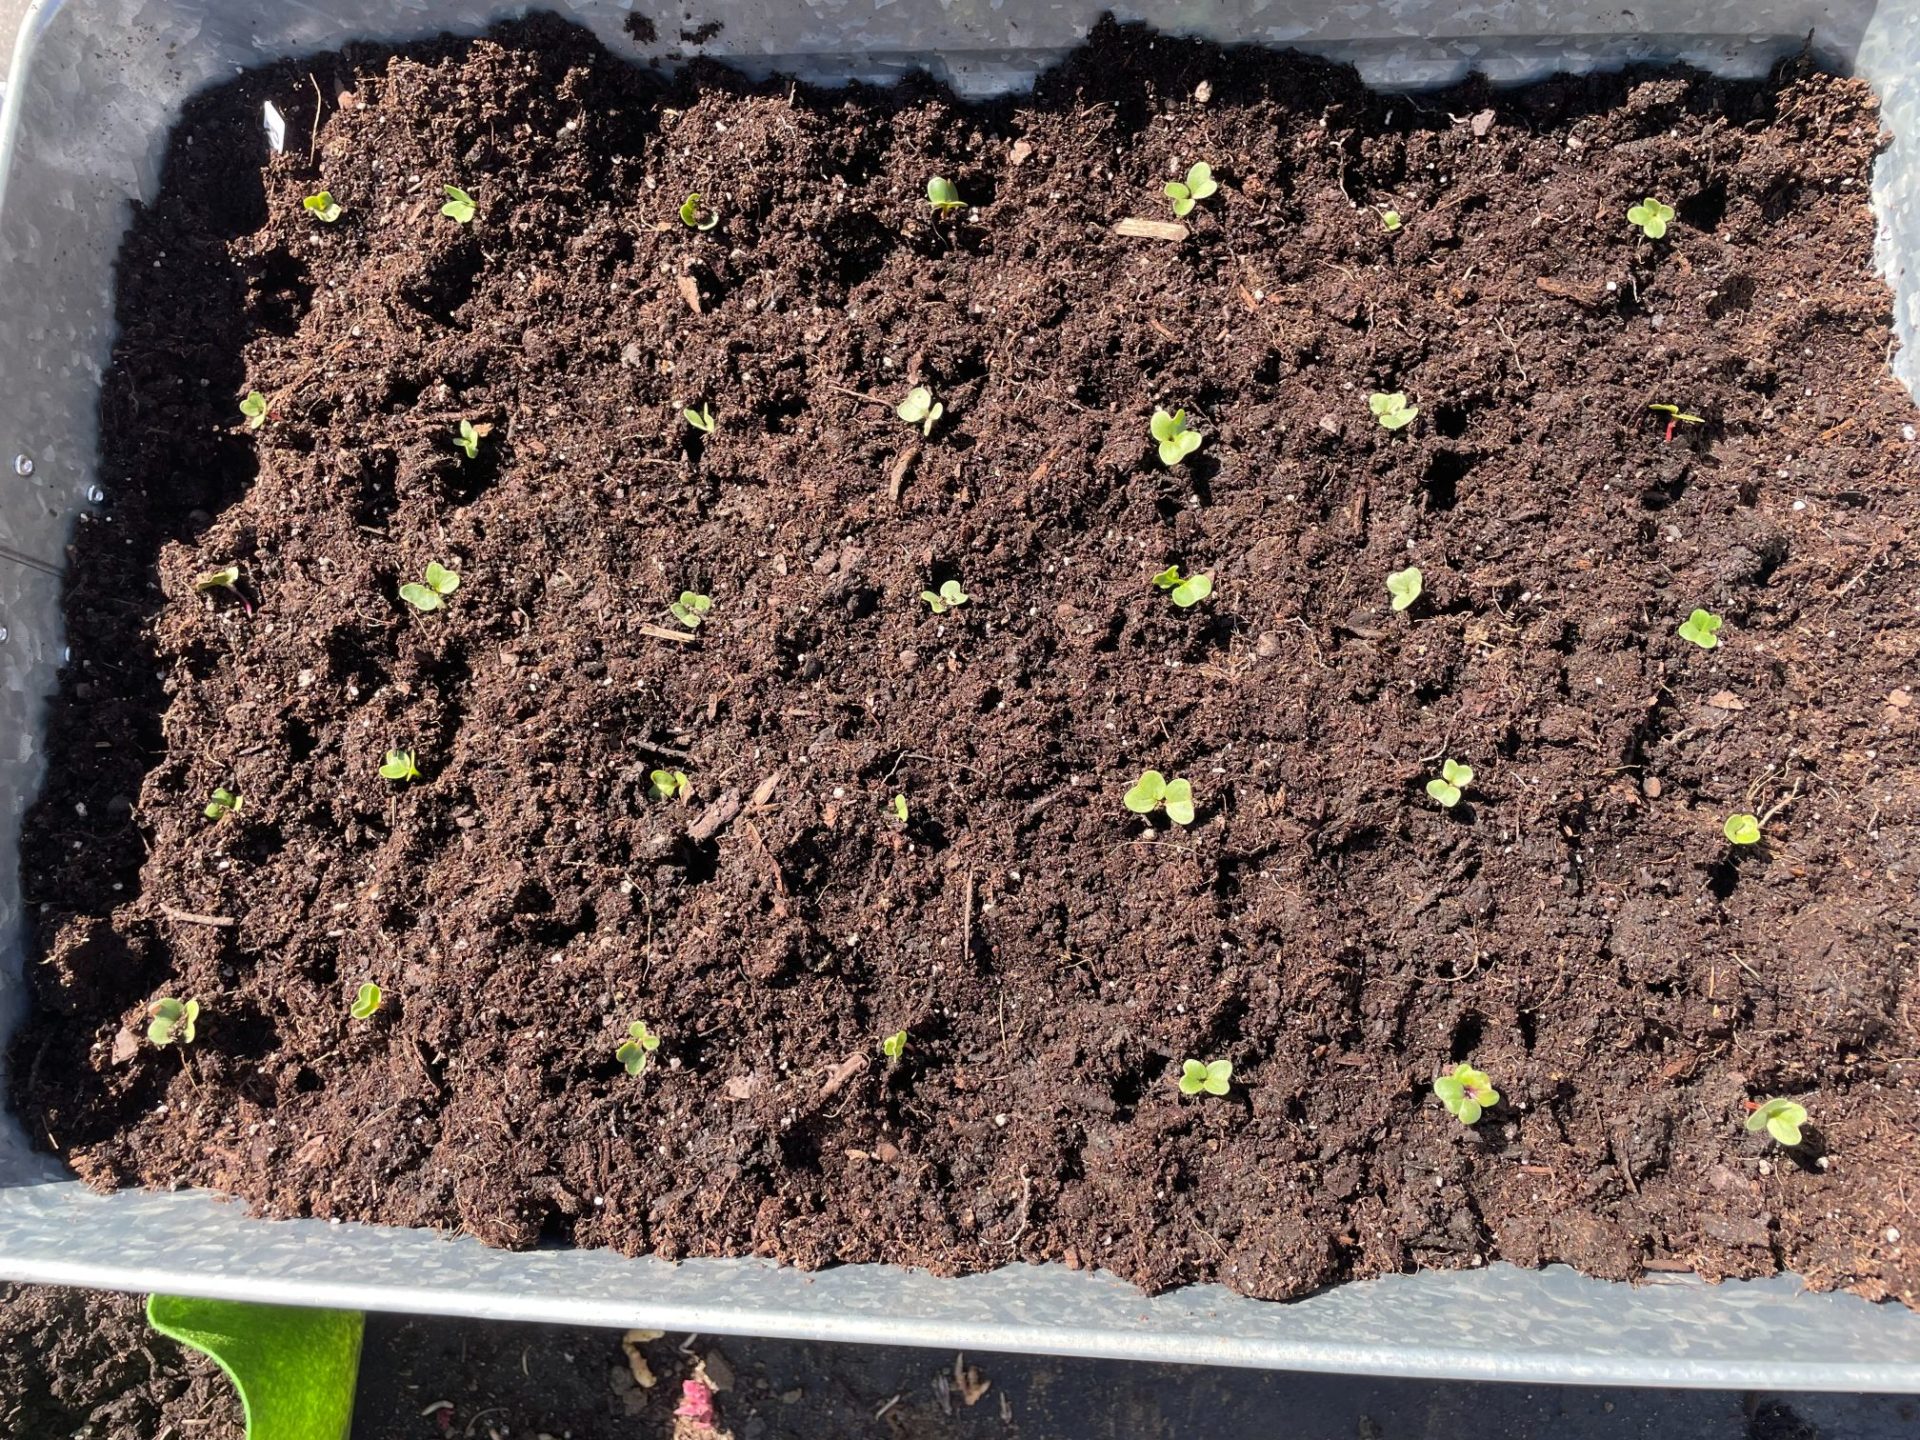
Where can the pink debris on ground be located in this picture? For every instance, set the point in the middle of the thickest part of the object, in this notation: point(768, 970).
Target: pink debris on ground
point(696, 1402)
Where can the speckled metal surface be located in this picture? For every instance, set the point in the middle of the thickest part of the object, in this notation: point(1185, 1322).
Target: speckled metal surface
point(94, 85)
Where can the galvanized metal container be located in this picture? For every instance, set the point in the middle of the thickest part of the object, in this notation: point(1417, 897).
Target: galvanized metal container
point(95, 85)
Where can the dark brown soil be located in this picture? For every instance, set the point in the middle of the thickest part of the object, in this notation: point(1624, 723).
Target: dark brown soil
point(82, 1365)
point(1578, 927)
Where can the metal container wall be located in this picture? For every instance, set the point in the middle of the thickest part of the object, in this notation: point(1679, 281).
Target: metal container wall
point(95, 85)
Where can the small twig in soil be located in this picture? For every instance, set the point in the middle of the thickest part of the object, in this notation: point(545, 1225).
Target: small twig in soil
point(188, 917)
point(966, 922)
point(1133, 228)
point(897, 476)
point(1507, 335)
point(842, 1073)
point(666, 752)
point(773, 864)
point(886, 1407)
point(660, 632)
point(856, 394)
point(763, 792)
point(715, 818)
point(319, 104)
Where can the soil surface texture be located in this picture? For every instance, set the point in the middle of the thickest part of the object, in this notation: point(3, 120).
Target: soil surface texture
point(1577, 926)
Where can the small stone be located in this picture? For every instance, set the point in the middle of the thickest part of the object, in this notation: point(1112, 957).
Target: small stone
point(1203, 92)
point(1268, 645)
point(909, 659)
point(1651, 785)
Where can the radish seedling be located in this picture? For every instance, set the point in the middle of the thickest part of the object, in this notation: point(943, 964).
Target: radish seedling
point(949, 597)
point(894, 1046)
point(1196, 187)
point(1389, 220)
point(366, 1000)
point(920, 408)
point(324, 207)
point(1212, 1076)
point(1153, 790)
point(1467, 1093)
point(897, 807)
point(171, 1021)
point(1454, 777)
point(467, 438)
point(1781, 1119)
point(222, 803)
point(441, 582)
point(636, 1051)
point(1392, 411)
point(667, 784)
point(1675, 417)
point(690, 609)
point(399, 766)
point(1405, 586)
point(1186, 591)
point(1177, 440)
point(1702, 628)
point(1742, 829)
point(1651, 216)
point(701, 419)
point(690, 214)
point(227, 577)
point(942, 196)
point(254, 407)
point(459, 206)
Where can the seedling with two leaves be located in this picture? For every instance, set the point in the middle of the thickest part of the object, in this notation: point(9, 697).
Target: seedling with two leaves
point(171, 1021)
point(1701, 628)
point(254, 407)
point(949, 597)
point(691, 609)
point(1186, 591)
point(1405, 586)
point(1390, 220)
point(692, 216)
point(1212, 1076)
point(1392, 410)
point(920, 408)
point(1676, 417)
point(366, 1000)
point(227, 577)
point(222, 803)
point(1176, 438)
point(636, 1051)
point(897, 808)
point(1152, 791)
point(894, 1046)
point(701, 419)
point(459, 207)
point(399, 766)
point(1651, 217)
point(1781, 1119)
point(440, 583)
point(1467, 1093)
point(467, 437)
point(1454, 778)
point(1185, 194)
point(668, 785)
point(323, 207)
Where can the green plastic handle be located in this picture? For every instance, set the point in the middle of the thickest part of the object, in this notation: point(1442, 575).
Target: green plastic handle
point(295, 1369)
